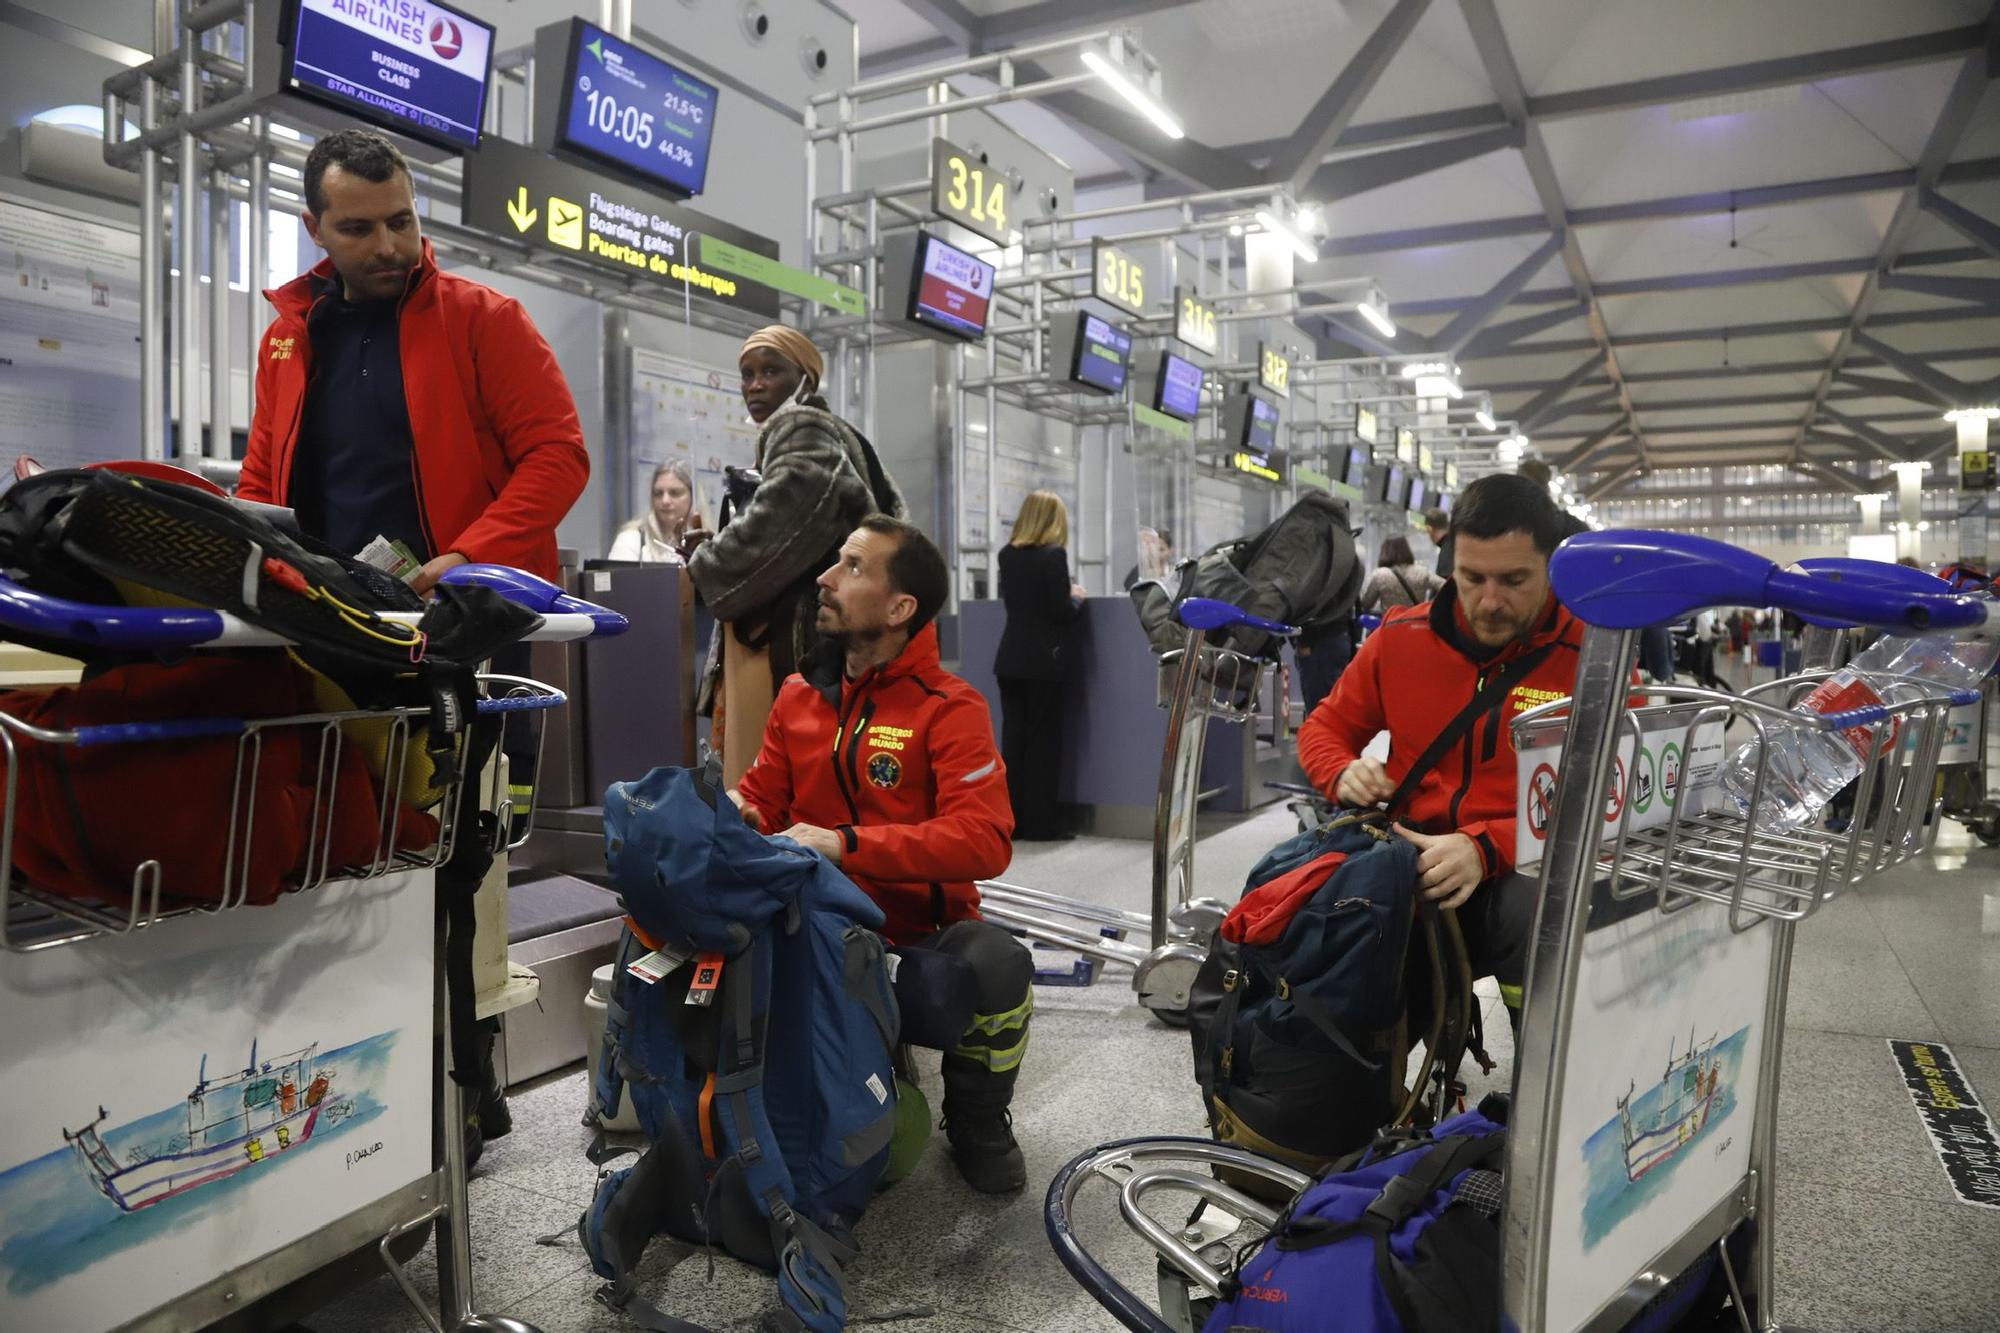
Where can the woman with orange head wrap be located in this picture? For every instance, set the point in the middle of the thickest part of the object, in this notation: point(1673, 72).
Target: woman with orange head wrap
point(819, 477)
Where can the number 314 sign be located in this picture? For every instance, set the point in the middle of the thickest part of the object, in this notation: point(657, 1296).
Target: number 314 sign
point(969, 190)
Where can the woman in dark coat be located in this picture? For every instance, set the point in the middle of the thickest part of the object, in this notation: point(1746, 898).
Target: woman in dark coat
point(1037, 652)
point(820, 478)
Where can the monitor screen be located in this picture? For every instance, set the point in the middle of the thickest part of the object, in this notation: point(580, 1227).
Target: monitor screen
point(1443, 501)
point(1358, 458)
point(628, 107)
point(1103, 352)
point(1392, 485)
point(1416, 500)
point(951, 290)
point(415, 67)
point(1260, 426)
point(1177, 391)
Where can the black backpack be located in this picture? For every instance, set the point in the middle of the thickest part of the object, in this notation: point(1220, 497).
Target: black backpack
point(1302, 570)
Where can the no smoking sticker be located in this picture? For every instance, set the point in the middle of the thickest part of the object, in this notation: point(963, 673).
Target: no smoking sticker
point(1541, 800)
point(1670, 773)
point(1614, 800)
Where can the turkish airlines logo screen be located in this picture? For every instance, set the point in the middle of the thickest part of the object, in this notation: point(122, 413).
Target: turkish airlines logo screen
point(956, 289)
point(407, 60)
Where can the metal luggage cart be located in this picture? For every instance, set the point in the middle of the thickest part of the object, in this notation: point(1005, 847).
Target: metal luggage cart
point(39, 926)
point(1664, 941)
point(1197, 683)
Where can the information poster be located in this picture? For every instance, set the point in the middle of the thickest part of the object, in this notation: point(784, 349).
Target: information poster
point(691, 413)
point(187, 1099)
point(69, 339)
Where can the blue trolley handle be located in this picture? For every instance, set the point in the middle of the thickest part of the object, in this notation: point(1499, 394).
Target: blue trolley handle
point(1631, 578)
point(1208, 613)
point(194, 728)
point(537, 594)
point(140, 628)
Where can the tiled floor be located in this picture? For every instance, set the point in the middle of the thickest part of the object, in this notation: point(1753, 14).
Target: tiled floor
point(1870, 1237)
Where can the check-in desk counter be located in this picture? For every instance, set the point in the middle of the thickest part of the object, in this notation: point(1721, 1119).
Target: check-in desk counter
point(1111, 761)
point(631, 708)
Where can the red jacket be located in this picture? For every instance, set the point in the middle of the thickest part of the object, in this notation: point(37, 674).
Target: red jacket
point(902, 763)
point(1410, 679)
point(499, 451)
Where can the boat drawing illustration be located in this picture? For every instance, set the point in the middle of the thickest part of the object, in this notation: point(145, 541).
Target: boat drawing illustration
point(234, 1122)
point(1687, 1096)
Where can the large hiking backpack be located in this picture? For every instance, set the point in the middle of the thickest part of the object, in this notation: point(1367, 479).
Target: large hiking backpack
point(1301, 570)
point(1404, 1237)
point(759, 1062)
point(1301, 1015)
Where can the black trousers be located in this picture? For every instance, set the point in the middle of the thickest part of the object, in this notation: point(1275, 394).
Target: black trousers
point(982, 1063)
point(1499, 925)
point(1032, 713)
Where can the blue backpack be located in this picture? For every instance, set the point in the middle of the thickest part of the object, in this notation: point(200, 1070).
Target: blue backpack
point(759, 1062)
point(1404, 1237)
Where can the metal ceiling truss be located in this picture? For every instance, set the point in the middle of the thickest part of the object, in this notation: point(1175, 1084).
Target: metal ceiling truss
point(1769, 329)
point(1974, 228)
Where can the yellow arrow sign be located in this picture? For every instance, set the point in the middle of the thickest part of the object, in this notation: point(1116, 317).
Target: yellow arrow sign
point(518, 211)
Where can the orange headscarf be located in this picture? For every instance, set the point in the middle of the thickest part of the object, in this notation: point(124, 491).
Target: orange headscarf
point(792, 345)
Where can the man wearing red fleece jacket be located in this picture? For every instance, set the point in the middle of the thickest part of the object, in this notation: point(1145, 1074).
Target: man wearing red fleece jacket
point(882, 761)
point(1418, 672)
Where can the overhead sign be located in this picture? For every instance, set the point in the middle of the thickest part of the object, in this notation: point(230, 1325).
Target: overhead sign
point(969, 191)
point(626, 106)
point(1257, 465)
point(720, 255)
point(1194, 322)
point(519, 194)
point(1975, 470)
point(1274, 369)
point(1364, 424)
point(415, 67)
point(1424, 457)
point(1406, 445)
point(1118, 278)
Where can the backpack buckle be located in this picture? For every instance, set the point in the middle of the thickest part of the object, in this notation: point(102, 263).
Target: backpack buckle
point(1399, 1198)
point(1230, 978)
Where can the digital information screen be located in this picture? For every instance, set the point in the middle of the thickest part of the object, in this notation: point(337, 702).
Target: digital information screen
point(1177, 392)
point(1392, 485)
point(634, 110)
point(1358, 458)
point(1260, 429)
point(1416, 500)
point(1103, 351)
point(410, 66)
point(951, 290)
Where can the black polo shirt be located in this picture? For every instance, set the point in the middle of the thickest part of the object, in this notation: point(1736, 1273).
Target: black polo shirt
point(354, 469)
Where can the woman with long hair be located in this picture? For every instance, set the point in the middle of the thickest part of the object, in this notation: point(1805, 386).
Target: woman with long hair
point(1036, 655)
point(819, 477)
point(673, 514)
point(1400, 580)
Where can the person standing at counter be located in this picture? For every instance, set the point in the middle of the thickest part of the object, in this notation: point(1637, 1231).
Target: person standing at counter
point(1398, 579)
point(819, 478)
point(1438, 524)
point(671, 527)
point(1037, 652)
point(397, 400)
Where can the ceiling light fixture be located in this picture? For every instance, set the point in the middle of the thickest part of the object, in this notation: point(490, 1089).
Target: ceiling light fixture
point(1375, 309)
point(1434, 379)
point(1303, 248)
point(1482, 412)
point(1109, 66)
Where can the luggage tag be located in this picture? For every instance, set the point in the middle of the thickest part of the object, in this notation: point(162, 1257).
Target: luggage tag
point(657, 964)
point(707, 976)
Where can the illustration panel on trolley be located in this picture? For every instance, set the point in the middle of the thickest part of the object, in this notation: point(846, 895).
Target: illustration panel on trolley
point(1659, 1092)
point(193, 1098)
point(233, 1127)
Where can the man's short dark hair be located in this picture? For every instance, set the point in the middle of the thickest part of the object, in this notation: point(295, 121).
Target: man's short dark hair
point(1436, 518)
point(362, 152)
point(916, 567)
point(1507, 502)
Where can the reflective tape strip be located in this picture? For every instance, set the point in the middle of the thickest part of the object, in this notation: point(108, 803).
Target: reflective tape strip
point(1007, 1021)
point(999, 1059)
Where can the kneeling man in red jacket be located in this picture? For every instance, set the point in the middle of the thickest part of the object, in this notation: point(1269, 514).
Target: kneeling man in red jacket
point(882, 761)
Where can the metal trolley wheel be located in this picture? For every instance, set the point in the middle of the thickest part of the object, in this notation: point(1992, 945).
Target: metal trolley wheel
point(1189, 1257)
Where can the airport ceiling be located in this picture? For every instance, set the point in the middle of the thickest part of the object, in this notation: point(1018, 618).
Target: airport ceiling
point(1659, 231)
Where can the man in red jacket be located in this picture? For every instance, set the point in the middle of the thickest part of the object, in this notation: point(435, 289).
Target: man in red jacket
point(883, 762)
point(398, 400)
point(1418, 672)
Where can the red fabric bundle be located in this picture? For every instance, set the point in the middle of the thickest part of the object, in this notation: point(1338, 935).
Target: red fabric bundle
point(88, 815)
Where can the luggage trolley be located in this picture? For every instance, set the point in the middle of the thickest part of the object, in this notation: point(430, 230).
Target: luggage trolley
point(1643, 1129)
point(226, 1120)
point(1197, 683)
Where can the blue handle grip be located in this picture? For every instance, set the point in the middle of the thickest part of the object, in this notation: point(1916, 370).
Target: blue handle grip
point(181, 729)
point(1875, 573)
point(537, 594)
point(1210, 614)
point(1631, 578)
point(522, 703)
point(129, 627)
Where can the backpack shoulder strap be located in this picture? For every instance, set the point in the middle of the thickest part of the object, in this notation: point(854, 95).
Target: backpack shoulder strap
point(1397, 574)
point(1487, 699)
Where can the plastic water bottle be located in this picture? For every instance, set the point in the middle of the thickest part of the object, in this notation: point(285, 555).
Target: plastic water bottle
point(1809, 765)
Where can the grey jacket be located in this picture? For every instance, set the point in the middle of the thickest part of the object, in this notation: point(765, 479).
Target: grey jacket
point(820, 478)
point(1389, 587)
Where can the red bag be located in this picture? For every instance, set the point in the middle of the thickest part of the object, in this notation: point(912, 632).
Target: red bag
point(87, 816)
